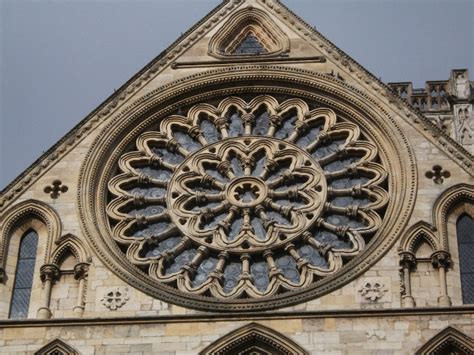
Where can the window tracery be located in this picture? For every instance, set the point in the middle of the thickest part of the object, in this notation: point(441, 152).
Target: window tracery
point(247, 199)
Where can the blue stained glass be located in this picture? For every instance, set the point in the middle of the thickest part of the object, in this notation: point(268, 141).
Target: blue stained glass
point(24, 275)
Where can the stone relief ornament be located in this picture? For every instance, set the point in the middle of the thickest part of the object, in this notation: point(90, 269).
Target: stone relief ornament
point(115, 298)
point(248, 198)
point(373, 291)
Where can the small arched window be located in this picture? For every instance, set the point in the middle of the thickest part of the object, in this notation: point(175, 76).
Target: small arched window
point(24, 275)
point(465, 234)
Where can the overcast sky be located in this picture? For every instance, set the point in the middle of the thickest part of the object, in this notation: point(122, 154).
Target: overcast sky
point(60, 59)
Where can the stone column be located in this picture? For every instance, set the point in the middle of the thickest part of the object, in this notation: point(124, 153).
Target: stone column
point(441, 260)
point(50, 273)
point(408, 264)
point(81, 271)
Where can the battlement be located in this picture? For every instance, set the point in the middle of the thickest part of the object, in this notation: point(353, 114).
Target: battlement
point(438, 95)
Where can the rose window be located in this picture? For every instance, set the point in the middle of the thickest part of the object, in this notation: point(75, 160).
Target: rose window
point(247, 199)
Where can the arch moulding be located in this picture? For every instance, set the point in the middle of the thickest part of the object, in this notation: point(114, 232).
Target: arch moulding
point(140, 116)
point(19, 214)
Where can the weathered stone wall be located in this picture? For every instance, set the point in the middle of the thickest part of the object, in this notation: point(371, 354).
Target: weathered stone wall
point(357, 334)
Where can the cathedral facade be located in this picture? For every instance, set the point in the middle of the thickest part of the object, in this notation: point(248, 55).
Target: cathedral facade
point(252, 190)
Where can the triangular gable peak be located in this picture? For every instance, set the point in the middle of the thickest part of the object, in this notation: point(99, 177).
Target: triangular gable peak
point(173, 56)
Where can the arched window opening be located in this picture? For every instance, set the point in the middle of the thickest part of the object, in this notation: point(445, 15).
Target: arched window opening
point(465, 228)
point(24, 275)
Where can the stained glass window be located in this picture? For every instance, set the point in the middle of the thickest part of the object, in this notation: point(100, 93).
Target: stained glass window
point(250, 45)
point(465, 226)
point(24, 275)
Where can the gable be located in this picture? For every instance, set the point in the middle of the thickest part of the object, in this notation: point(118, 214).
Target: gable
point(302, 91)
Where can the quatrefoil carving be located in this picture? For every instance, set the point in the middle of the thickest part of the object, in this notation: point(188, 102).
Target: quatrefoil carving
point(55, 189)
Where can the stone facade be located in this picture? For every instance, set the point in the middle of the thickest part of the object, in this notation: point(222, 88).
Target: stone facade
point(398, 291)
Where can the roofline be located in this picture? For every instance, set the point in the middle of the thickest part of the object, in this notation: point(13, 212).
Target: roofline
point(111, 98)
point(393, 94)
point(154, 61)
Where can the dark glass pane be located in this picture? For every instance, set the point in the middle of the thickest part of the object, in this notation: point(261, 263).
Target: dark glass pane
point(20, 303)
point(250, 45)
point(467, 281)
point(29, 243)
point(465, 227)
point(24, 275)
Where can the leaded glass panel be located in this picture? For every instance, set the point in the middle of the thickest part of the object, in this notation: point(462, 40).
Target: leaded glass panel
point(465, 226)
point(24, 275)
point(250, 45)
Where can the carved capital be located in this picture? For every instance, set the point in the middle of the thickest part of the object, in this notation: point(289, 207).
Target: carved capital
point(441, 259)
point(50, 272)
point(407, 260)
point(81, 271)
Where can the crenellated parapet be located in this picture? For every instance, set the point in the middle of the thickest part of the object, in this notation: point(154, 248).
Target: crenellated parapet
point(447, 103)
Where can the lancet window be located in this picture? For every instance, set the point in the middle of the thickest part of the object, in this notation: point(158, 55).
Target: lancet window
point(465, 228)
point(24, 275)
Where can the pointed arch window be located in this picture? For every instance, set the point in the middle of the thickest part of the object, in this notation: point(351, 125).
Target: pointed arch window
point(24, 275)
point(465, 228)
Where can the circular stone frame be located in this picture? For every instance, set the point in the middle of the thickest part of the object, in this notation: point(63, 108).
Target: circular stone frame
point(123, 128)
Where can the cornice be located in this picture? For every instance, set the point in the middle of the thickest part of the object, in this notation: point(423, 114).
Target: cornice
point(247, 317)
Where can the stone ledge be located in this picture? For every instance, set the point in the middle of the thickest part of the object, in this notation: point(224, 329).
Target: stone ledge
point(225, 317)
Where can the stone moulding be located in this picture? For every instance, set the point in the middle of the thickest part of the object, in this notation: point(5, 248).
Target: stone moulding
point(266, 214)
point(16, 216)
point(57, 347)
point(445, 203)
point(450, 340)
point(252, 337)
point(243, 22)
point(350, 102)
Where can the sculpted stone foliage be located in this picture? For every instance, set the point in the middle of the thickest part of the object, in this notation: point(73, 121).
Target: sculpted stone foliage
point(247, 199)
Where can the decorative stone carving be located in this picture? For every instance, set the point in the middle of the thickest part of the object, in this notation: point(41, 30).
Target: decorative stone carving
point(3, 275)
point(56, 347)
point(249, 23)
point(247, 199)
point(115, 298)
point(50, 272)
point(254, 339)
point(448, 341)
point(373, 291)
point(462, 85)
point(375, 334)
point(438, 174)
point(464, 123)
point(166, 260)
point(56, 189)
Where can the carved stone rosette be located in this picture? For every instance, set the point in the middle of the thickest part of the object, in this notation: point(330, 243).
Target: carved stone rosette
point(247, 199)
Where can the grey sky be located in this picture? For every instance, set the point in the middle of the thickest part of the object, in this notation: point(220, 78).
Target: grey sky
point(61, 59)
